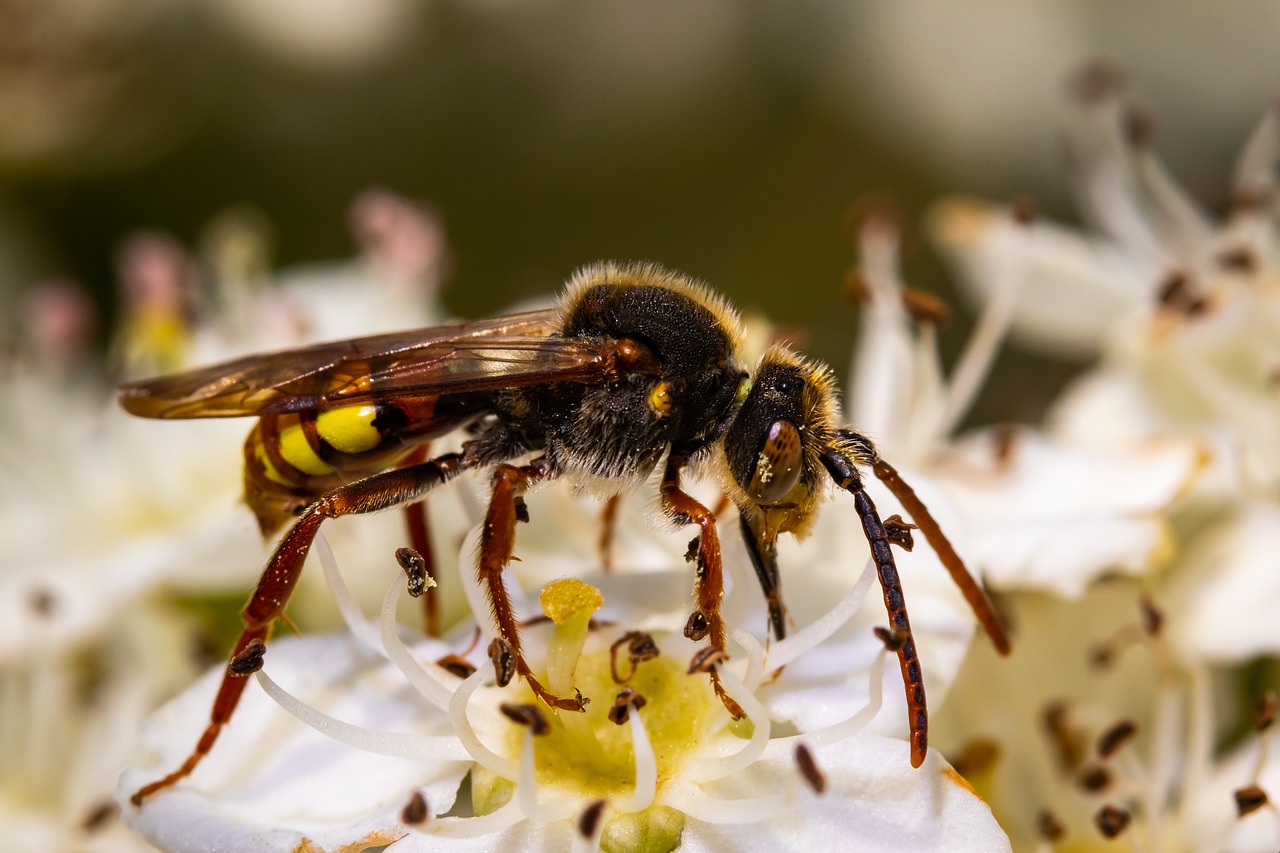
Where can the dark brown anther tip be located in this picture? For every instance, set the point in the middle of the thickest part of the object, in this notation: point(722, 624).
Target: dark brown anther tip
point(99, 817)
point(1249, 799)
point(1094, 778)
point(1138, 126)
point(893, 640)
point(1111, 821)
point(589, 820)
point(706, 660)
point(416, 811)
point(1049, 827)
point(1023, 210)
point(504, 661)
point(1115, 737)
point(697, 627)
point(415, 569)
point(526, 714)
point(456, 665)
point(626, 699)
point(1152, 616)
point(249, 660)
point(1240, 259)
point(926, 308)
point(809, 769)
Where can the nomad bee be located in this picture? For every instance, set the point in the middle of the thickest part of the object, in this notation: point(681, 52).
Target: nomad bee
point(636, 367)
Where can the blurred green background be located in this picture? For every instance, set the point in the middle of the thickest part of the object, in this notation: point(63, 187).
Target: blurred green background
point(727, 139)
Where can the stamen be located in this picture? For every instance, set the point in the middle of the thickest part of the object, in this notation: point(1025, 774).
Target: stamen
point(398, 744)
point(753, 675)
point(1066, 742)
point(640, 648)
point(811, 636)
point(432, 687)
point(503, 660)
point(250, 658)
point(480, 826)
point(809, 770)
point(527, 787)
point(1249, 799)
point(883, 355)
point(415, 811)
point(589, 820)
point(646, 768)
point(415, 569)
point(726, 765)
point(499, 765)
point(1111, 821)
point(1049, 827)
point(1116, 737)
point(697, 805)
point(357, 623)
point(528, 715)
point(845, 729)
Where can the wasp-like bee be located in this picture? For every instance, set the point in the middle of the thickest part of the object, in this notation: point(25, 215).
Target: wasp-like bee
point(636, 367)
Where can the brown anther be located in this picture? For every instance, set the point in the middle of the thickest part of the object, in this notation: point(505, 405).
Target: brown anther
point(697, 627)
point(589, 820)
point(1264, 714)
point(456, 665)
point(1152, 616)
point(1049, 827)
point(1249, 799)
point(1116, 737)
point(1138, 126)
point(522, 510)
point(706, 660)
point(873, 213)
point(1058, 726)
point(1094, 778)
point(1101, 656)
point(691, 553)
point(893, 639)
point(809, 769)
point(98, 817)
point(249, 660)
point(1251, 200)
point(415, 569)
point(1111, 821)
point(1023, 210)
point(640, 648)
point(1004, 440)
point(627, 698)
point(504, 662)
point(855, 286)
point(43, 602)
point(926, 308)
point(898, 532)
point(415, 811)
point(1239, 259)
point(1177, 293)
point(977, 757)
point(526, 714)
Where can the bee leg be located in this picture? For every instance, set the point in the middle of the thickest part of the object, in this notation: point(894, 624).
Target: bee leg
point(608, 524)
point(497, 544)
point(418, 522)
point(846, 477)
point(705, 621)
point(381, 491)
point(764, 557)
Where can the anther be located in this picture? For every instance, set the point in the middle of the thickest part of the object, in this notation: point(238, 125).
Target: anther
point(1138, 126)
point(809, 769)
point(415, 811)
point(1023, 210)
point(1049, 827)
point(893, 639)
point(1249, 799)
point(249, 660)
point(522, 510)
point(1095, 82)
point(589, 820)
point(977, 757)
point(99, 816)
point(1239, 259)
point(706, 660)
point(504, 661)
point(697, 627)
point(415, 569)
point(627, 698)
point(1116, 737)
point(1058, 727)
point(1152, 616)
point(1265, 712)
point(43, 602)
point(926, 308)
point(456, 665)
point(898, 532)
point(526, 715)
point(640, 648)
point(1095, 778)
point(1111, 821)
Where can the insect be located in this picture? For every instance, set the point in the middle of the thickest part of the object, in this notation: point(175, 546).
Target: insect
point(636, 367)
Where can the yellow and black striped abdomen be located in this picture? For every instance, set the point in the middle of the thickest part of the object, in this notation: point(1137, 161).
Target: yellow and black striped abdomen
point(292, 459)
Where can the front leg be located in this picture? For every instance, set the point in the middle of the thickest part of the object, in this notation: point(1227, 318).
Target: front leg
point(705, 621)
point(497, 545)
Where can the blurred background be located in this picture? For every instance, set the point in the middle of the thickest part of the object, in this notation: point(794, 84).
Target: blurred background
point(726, 139)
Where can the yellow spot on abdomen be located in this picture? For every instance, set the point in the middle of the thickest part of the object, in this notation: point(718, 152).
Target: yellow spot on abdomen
point(269, 469)
point(350, 429)
point(297, 451)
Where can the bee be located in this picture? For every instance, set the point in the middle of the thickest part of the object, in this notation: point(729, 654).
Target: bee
point(636, 367)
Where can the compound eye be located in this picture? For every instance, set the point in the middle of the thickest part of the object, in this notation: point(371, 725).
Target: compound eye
point(778, 465)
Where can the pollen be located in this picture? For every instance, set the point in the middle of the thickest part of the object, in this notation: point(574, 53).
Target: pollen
point(567, 598)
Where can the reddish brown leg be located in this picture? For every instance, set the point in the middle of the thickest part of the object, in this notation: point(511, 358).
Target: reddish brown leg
point(381, 491)
point(846, 476)
point(705, 621)
point(608, 524)
point(497, 544)
point(418, 522)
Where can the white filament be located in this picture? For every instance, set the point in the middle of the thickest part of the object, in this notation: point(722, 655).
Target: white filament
point(719, 766)
point(527, 786)
point(481, 754)
point(690, 800)
point(646, 767)
point(785, 651)
point(783, 747)
point(359, 626)
point(476, 827)
point(430, 682)
point(398, 744)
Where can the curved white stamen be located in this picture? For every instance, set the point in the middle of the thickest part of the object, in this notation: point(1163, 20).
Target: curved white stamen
point(468, 556)
point(753, 673)
point(928, 394)
point(646, 767)
point(476, 827)
point(359, 626)
point(784, 747)
point(785, 651)
point(429, 681)
point(690, 800)
point(708, 768)
point(481, 754)
point(882, 357)
point(398, 744)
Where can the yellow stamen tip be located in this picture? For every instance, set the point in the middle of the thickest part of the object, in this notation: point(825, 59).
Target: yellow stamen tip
point(567, 598)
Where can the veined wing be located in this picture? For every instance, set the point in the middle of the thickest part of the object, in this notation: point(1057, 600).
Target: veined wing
point(503, 352)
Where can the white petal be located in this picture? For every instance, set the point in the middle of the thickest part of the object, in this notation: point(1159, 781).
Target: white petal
point(1055, 516)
